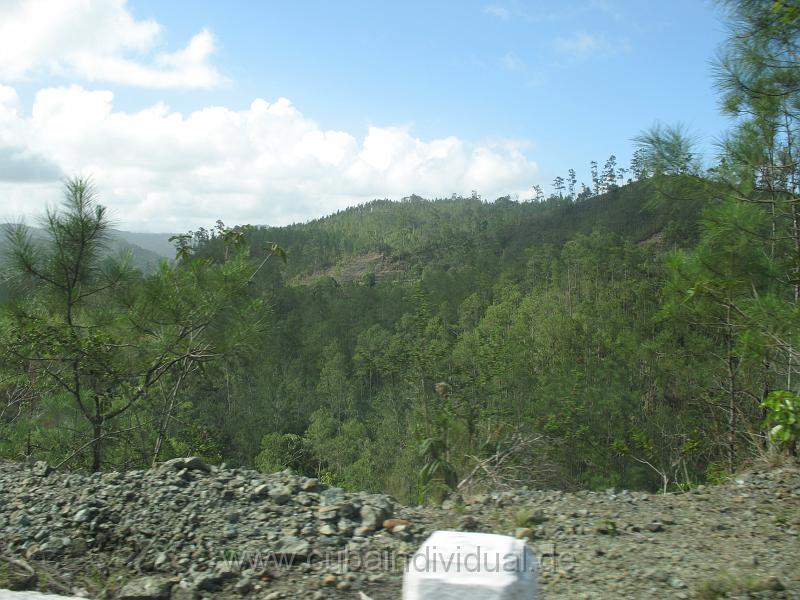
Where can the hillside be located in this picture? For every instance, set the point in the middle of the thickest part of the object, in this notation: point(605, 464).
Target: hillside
point(403, 341)
point(445, 233)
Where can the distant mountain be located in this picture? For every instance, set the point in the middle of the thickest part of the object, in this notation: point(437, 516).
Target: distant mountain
point(147, 249)
point(157, 243)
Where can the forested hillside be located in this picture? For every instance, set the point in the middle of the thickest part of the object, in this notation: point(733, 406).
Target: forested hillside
point(641, 333)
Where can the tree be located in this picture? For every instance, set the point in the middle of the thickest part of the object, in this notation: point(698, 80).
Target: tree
point(668, 150)
point(101, 333)
point(558, 186)
point(758, 74)
point(638, 164)
point(610, 173)
point(572, 180)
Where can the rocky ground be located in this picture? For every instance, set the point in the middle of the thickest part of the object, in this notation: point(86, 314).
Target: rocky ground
point(187, 530)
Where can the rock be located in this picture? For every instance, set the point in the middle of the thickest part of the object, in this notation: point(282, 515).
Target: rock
point(191, 463)
point(468, 523)
point(371, 517)
point(260, 492)
point(332, 495)
point(523, 533)
point(292, 549)
point(328, 513)
point(310, 485)
point(41, 468)
point(677, 583)
point(161, 560)
point(606, 527)
point(82, 515)
point(775, 584)
point(390, 524)
point(655, 527)
point(207, 582)
point(155, 587)
point(243, 586)
point(280, 495)
point(184, 591)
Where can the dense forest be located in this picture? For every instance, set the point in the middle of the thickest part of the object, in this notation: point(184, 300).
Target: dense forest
point(638, 332)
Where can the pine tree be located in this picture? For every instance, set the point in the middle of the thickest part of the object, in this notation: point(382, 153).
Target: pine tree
point(610, 173)
point(572, 180)
point(558, 186)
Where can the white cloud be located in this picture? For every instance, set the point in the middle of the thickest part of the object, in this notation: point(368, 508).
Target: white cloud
point(161, 170)
point(97, 40)
point(581, 45)
point(512, 62)
point(501, 12)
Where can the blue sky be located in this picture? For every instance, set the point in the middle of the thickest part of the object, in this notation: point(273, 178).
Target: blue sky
point(493, 95)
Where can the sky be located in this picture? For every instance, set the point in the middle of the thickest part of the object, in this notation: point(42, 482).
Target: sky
point(268, 112)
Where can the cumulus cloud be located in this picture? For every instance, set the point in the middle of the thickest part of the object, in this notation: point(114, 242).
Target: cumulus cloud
point(97, 40)
point(160, 170)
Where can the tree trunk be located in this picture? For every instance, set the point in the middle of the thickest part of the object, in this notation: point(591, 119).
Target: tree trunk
point(97, 432)
point(731, 397)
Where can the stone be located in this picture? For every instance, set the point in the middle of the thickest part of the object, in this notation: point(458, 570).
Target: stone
point(470, 566)
point(371, 517)
point(207, 582)
point(41, 468)
point(184, 591)
point(82, 515)
point(332, 495)
point(292, 549)
point(390, 524)
point(161, 560)
point(468, 523)
point(191, 463)
point(280, 495)
point(523, 533)
point(243, 586)
point(677, 583)
point(260, 492)
point(152, 587)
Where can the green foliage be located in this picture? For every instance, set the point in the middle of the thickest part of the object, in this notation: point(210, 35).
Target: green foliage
point(90, 329)
point(783, 419)
point(284, 451)
point(668, 150)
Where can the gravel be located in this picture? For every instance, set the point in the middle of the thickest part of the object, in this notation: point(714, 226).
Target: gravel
point(188, 530)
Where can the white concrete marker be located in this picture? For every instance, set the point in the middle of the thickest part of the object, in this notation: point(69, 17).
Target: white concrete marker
point(460, 565)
